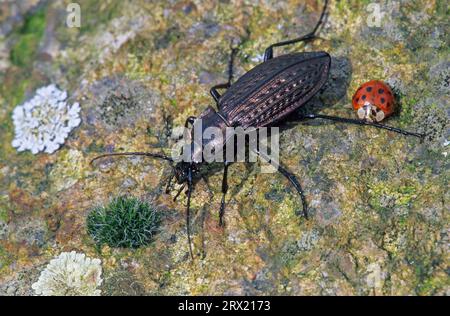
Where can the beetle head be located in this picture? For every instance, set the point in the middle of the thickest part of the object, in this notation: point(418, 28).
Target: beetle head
point(181, 171)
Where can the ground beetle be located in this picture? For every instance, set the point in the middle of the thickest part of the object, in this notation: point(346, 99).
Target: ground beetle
point(265, 95)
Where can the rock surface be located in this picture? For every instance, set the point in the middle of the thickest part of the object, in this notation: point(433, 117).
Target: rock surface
point(378, 201)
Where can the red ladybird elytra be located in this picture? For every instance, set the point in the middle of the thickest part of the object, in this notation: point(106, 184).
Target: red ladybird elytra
point(374, 101)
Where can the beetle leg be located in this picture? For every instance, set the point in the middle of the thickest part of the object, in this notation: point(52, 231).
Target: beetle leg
point(363, 122)
point(215, 94)
point(178, 193)
point(169, 183)
point(224, 192)
point(292, 179)
point(268, 53)
point(211, 194)
point(188, 209)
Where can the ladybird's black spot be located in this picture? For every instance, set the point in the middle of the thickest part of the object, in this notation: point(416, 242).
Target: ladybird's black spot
point(382, 100)
point(388, 104)
point(357, 99)
point(368, 89)
point(363, 97)
point(380, 91)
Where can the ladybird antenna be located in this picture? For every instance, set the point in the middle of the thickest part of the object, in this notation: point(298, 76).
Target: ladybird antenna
point(152, 155)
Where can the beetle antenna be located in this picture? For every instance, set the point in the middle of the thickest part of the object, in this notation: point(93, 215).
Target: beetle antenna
point(159, 156)
point(322, 15)
point(234, 51)
point(363, 122)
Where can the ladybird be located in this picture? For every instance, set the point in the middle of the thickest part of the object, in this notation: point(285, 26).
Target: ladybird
point(373, 101)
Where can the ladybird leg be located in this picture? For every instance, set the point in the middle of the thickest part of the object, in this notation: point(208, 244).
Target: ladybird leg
point(362, 122)
point(214, 93)
point(268, 53)
point(224, 192)
point(292, 179)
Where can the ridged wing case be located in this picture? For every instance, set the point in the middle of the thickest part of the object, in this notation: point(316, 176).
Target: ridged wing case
point(275, 88)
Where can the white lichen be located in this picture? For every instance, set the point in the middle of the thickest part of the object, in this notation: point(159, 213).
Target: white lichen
point(70, 274)
point(308, 240)
point(44, 122)
point(375, 277)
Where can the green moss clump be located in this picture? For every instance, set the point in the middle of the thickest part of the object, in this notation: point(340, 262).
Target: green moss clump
point(24, 50)
point(125, 222)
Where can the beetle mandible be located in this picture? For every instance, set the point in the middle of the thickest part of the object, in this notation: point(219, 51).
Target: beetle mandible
point(263, 96)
